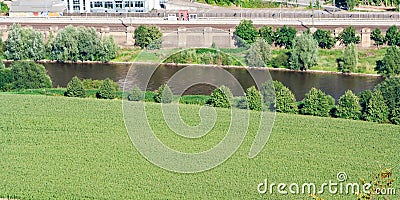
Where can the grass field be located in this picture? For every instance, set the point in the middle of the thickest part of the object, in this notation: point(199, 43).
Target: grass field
point(69, 148)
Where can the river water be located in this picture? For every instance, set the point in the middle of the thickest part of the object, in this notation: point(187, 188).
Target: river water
point(299, 82)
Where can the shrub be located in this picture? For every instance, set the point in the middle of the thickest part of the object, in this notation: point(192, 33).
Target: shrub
point(395, 116)
point(285, 100)
point(348, 62)
point(363, 98)
point(241, 103)
point(6, 79)
point(348, 106)
point(164, 94)
point(253, 97)
point(107, 90)
point(376, 110)
point(221, 97)
point(29, 75)
point(281, 60)
point(136, 94)
point(317, 103)
point(75, 88)
point(390, 90)
point(194, 99)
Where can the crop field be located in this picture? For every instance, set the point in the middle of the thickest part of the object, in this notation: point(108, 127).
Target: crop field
point(70, 148)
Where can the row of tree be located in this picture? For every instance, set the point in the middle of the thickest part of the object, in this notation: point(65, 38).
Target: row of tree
point(70, 44)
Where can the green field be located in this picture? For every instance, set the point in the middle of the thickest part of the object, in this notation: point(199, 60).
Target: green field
point(69, 148)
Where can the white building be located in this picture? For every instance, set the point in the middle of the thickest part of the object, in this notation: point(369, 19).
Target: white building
point(111, 6)
point(31, 8)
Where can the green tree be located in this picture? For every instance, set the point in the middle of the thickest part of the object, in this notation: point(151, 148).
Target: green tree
point(164, 94)
point(253, 97)
point(108, 49)
point(267, 33)
point(392, 36)
point(364, 98)
point(348, 106)
point(348, 36)
point(65, 45)
point(284, 37)
point(285, 101)
point(89, 44)
point(107, 90)
point(350, 4)
point(324, 38)
point(136, 94)
point(394, 116)
point(377, 37)
point(348, 62)
point(29, 75)
point(377, 110)
point(390, 64)
point(390, 90)
point(246, 34)
point(304, 54)
point(34, 45)
point(147, 35)
point(75, 88)
point(221, 97)
point(317, 103)
point(14, 48)
point(259, 53)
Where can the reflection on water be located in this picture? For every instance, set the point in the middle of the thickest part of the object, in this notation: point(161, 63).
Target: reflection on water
point(299, 82)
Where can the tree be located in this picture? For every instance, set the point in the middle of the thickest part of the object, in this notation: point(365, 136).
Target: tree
point(377, 37)
point(390, 64)
point(392, 36)
point(267, 33)
point(29, 75)
point(350, 4)
point(136, 94)
point(108, 49)
point(284, 37)
point(376, 111)
point(348, 62)
point(304, 54)
point(6, 79)
point(75, 88)
point(348, 106)
point(34, 45)
point(364, 98)
point(259, 53)
point(317, 103)
point(164, 94)
point(348, 36)
point(246, 34)
point(285, 101)
point(89, 44)
point(221, 97)
point(324, 38)
point(65, 45)
point(107, 90)
point(14, 43)
point(394, 116)
point(253, 97)
point(146, 35)
point(390, 90)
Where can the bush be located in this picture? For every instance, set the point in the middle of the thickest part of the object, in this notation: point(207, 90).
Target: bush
point(107, 90)
point(390, 90)
point(75, 88)
point(281, 60)
point(164, 94)
point(136, 94)
point(194, 99)
point(253, 97)
point(395, 116)
point(6, 79)
point(285, 100)
point(241, 103)
point(348, 62)
point(363, 98)
point(89, 84)
point(221, 97)
point(348, 106)
point(317, 103)
point(376, 111)
point(29, 75)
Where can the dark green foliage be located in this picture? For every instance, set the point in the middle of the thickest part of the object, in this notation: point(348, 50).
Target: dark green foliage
point(148, 35)
point(65, 45)
point(241, 103)
point(164, 94)
point(377, 110)
point(284, 37)
point(350, 4)
point(390, 64)
point(29, 75)
point(194, 99)
point(348, 62)
point(108, 49)
point(364, 98)
point(348, 106)
point(4, 8)
point(90, 84)
point(304, 54)
point(285, 100)
point(377, 37)
point(107, 90)
point(324, 38)
point(259, 54)
point(317, 103)
point(246, 33)
point(281, 60)
point(392, 36)
point(89, 43)
point(395, 116)
point(390, 90)
point(267, 33)
point(6, 79)
point(348, 36)
point(136, 94)
point(221, 97)
point(202, 56)
point(253, 97)
point(75, 88)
